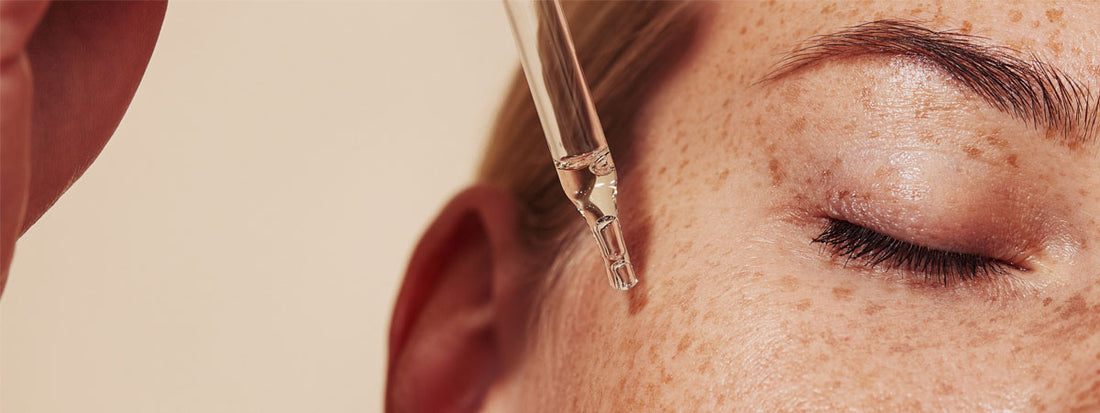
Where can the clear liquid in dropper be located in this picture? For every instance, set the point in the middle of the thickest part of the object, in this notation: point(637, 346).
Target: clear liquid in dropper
point(590, 181)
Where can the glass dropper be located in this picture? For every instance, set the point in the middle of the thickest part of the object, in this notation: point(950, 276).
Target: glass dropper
point(572, 128)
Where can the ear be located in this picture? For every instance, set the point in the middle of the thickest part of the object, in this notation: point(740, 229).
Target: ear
point(458, 316)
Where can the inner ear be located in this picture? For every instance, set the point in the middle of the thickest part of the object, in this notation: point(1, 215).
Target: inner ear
point(452, 317)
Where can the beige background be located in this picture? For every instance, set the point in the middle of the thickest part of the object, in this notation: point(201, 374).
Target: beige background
point(238, 244)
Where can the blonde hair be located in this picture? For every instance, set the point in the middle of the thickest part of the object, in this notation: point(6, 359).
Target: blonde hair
point(624, 49)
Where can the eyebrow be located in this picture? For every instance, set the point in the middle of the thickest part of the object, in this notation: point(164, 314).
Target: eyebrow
point(1028, 89)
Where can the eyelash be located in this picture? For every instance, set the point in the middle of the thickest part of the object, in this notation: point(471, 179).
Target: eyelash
point(854, 242)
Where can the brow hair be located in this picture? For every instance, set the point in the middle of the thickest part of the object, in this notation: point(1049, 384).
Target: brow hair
point(1028, 89)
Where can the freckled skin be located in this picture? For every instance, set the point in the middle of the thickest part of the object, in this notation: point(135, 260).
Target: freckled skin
point(739, 311)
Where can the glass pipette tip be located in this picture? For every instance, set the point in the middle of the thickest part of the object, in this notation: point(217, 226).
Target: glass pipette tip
point(572, 128)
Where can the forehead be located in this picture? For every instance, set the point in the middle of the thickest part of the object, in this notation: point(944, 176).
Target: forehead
point(749, 38)
point(740, 43)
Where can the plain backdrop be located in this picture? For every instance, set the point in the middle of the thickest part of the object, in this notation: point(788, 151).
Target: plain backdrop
point(238, 245)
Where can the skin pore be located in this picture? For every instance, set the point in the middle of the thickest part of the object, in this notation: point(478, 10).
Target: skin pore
point(739, 309)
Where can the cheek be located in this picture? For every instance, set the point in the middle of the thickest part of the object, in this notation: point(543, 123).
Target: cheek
point(736, 308)
point(750, 329)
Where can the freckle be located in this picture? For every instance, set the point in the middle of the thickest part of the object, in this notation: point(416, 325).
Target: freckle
point(944, 389)
point(686, 247)
point(1054, 15)
point(1012, 160)
point(710, 315)
point(760, 22)
point(1074, 145)
point(1015, 15)
point(1047, 301)
point(1055, 46)
point(804, 304)
point(629, 345)
point(872, 308)
point(972, 152)
point(777, 174)
point(685, 343)
point(804, 339)
point(721, 179)
point(788, 283)
point(1051, 134)
point(966, 27)
point(1076, 306)
point(744, 29)
point(690, 290)
point(793, 94)
point(797, 126)
point(865, 98)
point(844, 294)
point(706, 349)
point(622, 382)
point(901, 348)
point(1016, 350)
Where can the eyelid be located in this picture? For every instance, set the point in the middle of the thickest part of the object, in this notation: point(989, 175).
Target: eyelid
point(946, 218)
point(873, 249)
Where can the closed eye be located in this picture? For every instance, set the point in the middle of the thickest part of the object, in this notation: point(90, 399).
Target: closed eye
point(872, 249)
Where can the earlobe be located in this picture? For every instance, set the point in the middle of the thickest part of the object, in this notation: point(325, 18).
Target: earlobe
point(448, 332)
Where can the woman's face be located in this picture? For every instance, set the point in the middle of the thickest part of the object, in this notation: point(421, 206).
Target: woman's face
point(985, 222)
